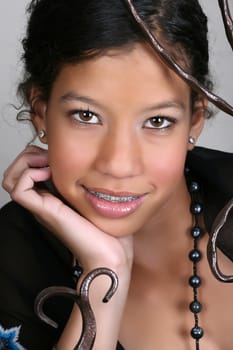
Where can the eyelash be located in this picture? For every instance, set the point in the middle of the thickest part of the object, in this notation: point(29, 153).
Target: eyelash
point(168, 121)
point(85, 113)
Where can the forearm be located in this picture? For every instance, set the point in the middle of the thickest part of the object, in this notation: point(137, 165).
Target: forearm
point(107, 315)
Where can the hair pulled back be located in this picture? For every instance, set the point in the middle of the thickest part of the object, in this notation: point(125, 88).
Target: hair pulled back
point(68, 31)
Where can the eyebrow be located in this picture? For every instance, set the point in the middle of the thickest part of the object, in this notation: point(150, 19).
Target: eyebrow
point(71, 96)
point(166, 104)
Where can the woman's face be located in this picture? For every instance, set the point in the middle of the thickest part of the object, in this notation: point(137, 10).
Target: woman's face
point(117, 131)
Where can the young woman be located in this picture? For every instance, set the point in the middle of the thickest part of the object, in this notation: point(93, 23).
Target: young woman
point(121, 185)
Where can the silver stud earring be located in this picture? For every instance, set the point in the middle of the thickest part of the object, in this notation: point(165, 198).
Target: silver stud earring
point(41, 134)
point(192, 140)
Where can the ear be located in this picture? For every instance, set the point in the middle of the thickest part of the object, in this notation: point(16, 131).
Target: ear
point(198, 118)
point(38, 109)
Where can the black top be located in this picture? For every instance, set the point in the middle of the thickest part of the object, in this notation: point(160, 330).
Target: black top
point(31, 258)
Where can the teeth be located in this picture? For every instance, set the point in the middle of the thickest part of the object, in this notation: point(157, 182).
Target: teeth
point(109, 198)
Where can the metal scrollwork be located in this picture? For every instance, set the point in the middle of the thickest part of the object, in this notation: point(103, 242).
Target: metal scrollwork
point(172, 64)
point(227, 20)
point(82, 299)
point(212, 245)
point(216, 100)
point(88, 333)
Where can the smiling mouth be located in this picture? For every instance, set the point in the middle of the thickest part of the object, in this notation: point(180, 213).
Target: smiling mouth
point(113, 204)
point(114, 199)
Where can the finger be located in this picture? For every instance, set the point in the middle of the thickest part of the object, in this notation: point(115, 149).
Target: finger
point(32, 156)
point(24, 191)
point(92, 246)
point(25, 160)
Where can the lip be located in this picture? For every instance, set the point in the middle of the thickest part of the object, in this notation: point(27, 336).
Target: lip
point(112, 204)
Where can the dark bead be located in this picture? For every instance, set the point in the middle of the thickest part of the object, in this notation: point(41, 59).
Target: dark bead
point(196, 232)
point(195, 307)
point(77, 272)
point(197, 332)
point(196, 208)
point(194, 187)
point(195, 255)
point(195, 281)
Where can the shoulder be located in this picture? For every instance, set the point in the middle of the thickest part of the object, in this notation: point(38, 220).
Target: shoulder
point(17, 225)
point(19, 230)
point(31, 259)
point(214, 170)
point(205, 161)
point(27, 248)
point(12, 215)
point(12, 208)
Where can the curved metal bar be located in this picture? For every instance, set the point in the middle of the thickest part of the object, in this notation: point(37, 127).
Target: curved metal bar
point(172, 64)
point(48, 293)
point(88, 333)
point(84, 288)
point(211, 248)
point(227, 20)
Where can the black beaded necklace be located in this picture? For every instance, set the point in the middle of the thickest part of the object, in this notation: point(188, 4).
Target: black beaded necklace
point(195, 256)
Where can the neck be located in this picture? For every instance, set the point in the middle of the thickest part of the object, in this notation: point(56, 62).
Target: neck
point(164, 242)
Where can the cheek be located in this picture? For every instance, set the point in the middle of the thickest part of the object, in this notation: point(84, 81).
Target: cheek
point(167, 166)
point(69, 158)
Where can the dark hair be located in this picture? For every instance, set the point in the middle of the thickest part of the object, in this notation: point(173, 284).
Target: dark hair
point(67, 31)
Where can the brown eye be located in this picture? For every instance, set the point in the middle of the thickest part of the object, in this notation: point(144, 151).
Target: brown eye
point(158, 122)
point(85, 117)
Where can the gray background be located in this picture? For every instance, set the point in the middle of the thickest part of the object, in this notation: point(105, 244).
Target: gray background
point(14, 136)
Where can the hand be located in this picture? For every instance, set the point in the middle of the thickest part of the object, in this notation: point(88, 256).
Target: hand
point(31, 157)
point(91, 246)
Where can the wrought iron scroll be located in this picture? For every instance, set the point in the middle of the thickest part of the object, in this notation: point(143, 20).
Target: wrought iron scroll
point(88, 333)
point(212, 245)
point(216, 100)
point(172, 64)
point(227, 20)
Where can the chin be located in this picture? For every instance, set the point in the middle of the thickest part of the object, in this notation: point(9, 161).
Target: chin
point(117, 227)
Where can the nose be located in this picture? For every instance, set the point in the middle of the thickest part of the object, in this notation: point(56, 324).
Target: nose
point(120, 155)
